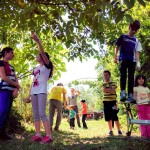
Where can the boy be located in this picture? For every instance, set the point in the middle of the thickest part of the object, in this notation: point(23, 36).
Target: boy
point(72, 115)
point(109, 102)
point(129, 48)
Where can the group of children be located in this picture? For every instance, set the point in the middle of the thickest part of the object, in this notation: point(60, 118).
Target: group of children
point(72, 114)
point(137, 92)
point(129, 48)
point(141, 95)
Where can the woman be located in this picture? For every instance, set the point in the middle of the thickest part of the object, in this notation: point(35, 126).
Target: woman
point(39, 92)
point(8, 84)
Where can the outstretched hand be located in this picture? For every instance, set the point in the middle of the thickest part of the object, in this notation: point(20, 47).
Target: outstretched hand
point(34, 36)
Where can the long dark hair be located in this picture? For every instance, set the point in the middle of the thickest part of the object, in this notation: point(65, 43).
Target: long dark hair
point(6, 49)
point(50, 64)
point(139, 77)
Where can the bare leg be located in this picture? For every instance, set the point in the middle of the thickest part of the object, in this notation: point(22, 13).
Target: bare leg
point(110, 125)
point(117, 125)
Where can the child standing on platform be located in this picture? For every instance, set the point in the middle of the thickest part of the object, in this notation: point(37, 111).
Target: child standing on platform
point(142, 97)
point(109, 102)
point(129, 47)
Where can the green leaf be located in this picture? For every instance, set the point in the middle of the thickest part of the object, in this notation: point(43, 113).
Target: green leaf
point(129, 17)
point(129, 3)
point(119, 18)
point(141, 2)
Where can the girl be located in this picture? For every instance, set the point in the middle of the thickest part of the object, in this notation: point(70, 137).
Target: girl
point(142, 97)
point(8, 82)
point(84, 113)
point(39, 92)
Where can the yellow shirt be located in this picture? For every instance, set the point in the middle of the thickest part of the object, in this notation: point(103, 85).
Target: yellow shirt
point(109, 96)
point(56, 92)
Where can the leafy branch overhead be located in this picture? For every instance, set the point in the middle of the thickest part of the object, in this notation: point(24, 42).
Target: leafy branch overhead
point(67, 28)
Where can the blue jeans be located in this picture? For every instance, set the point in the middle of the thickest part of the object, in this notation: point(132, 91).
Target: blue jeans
point(5, 106)
point(127, 68)
point(72, 124)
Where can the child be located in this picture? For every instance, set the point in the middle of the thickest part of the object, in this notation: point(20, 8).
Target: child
point(142, 97)
point(72, 115)
point(8, 85)
point(109, 102)
point(38, 92)
point(84, 113)
point(129, 57)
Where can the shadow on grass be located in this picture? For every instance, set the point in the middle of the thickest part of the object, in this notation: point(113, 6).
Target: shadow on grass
point(71, 141)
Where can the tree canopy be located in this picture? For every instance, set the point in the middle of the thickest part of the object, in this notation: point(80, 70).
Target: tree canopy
point(67, 28)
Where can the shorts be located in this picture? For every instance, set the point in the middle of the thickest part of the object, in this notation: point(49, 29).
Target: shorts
point(109, 112)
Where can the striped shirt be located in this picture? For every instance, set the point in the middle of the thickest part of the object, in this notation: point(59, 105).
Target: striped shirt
point(10, 73)
point(109, 96)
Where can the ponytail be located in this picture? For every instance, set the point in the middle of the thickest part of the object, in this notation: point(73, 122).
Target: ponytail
point(51, 66)
point(52, 69)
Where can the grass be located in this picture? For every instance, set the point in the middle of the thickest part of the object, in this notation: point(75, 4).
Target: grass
point(93, 138)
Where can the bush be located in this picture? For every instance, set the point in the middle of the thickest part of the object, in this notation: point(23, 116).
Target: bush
point(14, 122)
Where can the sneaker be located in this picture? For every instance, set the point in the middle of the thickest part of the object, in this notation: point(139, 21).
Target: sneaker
point(85, 127)
point(123, 96)
point(110, 133)
point(47, 139)
point(36, 138)
point(131, 99)
point(119, 133)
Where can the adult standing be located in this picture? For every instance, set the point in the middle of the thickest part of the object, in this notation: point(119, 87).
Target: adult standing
point(129, 47)
point(72, 100)
point(57, 95)
point(38, 92)
point(8, 83)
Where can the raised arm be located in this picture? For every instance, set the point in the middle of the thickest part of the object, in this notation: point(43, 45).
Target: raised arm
point(77, 92)
point(37, 40)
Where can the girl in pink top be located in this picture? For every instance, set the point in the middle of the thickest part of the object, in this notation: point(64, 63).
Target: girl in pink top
point(84, 113)
point(142, 97)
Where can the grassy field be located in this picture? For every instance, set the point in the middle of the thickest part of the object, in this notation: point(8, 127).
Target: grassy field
point(93, 138)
